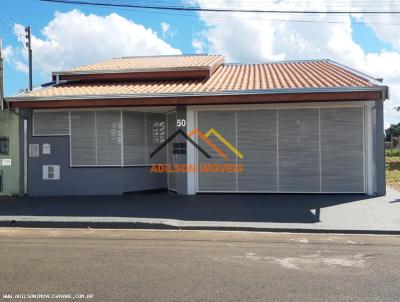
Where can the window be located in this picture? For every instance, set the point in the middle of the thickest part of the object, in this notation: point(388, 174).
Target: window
point(179, 148)
point(134, 138)
point(49, 123)
point(108, 138)
point(83, 138)
point(116, 138)
point(156, 132)
point(51, 172)
point(4, 145)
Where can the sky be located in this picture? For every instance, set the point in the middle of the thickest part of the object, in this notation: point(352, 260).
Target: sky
point(67, 35)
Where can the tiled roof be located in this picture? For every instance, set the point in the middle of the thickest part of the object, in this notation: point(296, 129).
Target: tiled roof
point(228, 77)
point(150, 62)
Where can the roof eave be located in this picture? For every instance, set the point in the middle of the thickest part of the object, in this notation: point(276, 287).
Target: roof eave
point(132, 70)
point(382, 89)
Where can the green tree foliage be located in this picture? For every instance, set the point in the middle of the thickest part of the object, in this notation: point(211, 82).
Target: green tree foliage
point(392, 130)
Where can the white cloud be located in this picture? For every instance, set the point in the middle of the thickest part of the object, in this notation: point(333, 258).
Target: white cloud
point(11, 56)
point(73, 38)
point(198, 46)
point(7, 52)
point(262, 38)
point(165, 27)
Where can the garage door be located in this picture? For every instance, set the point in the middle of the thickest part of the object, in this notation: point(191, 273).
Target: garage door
point(302, 150)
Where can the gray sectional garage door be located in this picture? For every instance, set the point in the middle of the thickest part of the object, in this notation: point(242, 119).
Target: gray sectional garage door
point(302, 150)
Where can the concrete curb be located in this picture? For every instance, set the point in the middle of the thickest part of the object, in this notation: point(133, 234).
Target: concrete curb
point(25, 223)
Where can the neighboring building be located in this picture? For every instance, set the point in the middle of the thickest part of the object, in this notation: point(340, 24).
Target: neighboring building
point(292, 127)
point(9, 146)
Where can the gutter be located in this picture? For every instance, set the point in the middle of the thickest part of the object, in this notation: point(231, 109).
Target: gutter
point(382, 89)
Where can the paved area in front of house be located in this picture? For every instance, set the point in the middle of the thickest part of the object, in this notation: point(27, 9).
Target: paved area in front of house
point(132, 265)
point(215, 211)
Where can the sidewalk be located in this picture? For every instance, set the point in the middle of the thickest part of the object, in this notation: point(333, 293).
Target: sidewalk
point(292, 213)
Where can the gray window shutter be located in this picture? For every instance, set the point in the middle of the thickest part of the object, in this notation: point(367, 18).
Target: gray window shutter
point(134, 138)
point(257, 141)
point(109, 138)
point(83, 138)
point(342, 151)
point(298, 147)
point(46, 123)
point(225, 123)
point(156, 134)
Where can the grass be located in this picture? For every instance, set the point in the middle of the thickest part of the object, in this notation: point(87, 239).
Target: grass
point(393, 171)
point(392, 153)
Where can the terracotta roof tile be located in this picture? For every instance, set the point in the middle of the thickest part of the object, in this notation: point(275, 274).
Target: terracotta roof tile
point(132, 63)
point(228, 77)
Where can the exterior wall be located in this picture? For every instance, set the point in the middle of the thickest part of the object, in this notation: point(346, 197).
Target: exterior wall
point(83, 180)
point(181, 178)
point(9, 128)
point(116, 180)
point(379, 149)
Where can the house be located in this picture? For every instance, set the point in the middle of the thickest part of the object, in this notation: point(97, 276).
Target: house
point(193, 124)
point(9, 146)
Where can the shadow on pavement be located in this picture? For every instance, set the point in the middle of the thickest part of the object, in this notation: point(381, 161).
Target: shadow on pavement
point(283, 208)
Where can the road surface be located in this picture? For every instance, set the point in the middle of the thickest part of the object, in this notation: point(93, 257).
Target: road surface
point(135, 265)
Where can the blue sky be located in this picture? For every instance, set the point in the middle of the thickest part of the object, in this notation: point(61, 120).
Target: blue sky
point(365, 46)
point(11, 12)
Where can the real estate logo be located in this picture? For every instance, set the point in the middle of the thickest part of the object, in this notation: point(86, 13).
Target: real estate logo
point(181, 148)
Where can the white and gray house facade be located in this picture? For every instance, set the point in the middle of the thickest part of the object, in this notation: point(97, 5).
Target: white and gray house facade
point(311, 126)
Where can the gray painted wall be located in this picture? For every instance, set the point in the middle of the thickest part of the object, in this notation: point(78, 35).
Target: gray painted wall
point(181, 178)
point(82, 180)
point(379, 149)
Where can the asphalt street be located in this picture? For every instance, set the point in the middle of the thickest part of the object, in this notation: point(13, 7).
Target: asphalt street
point(135, 265)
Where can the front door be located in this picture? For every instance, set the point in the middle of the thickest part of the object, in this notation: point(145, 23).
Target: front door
point(171, 158)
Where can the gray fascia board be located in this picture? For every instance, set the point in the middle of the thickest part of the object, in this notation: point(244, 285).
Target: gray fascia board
point(189, 94)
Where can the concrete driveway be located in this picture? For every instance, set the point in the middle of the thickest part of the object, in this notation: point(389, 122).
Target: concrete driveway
point(291, 212)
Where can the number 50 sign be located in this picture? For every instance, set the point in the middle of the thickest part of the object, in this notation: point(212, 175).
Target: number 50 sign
point(180, 123)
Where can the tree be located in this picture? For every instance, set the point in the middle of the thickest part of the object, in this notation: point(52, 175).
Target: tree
point(392, 130)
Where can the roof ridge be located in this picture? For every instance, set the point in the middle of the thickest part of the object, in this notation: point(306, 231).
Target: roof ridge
point(281, 62)
point(164, 56)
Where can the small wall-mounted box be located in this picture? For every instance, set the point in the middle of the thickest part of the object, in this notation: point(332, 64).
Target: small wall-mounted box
point(33, 150)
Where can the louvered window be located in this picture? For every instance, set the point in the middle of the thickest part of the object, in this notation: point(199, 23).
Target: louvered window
point(156, 134)
point(109, 138)
point(134, 138)
point(49, 123)
point(83, 138)
point(116, 138)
